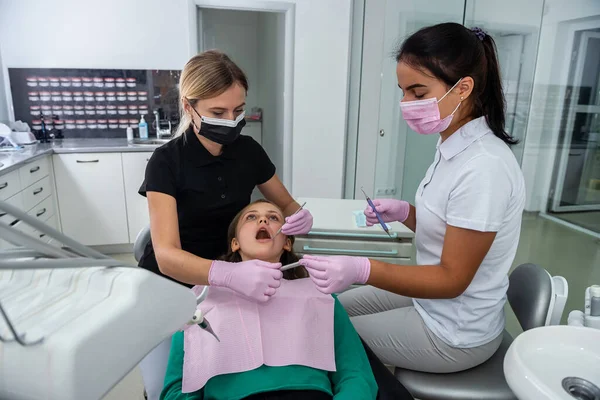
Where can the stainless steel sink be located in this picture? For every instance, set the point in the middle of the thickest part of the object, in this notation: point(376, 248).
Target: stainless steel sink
point(149, 142)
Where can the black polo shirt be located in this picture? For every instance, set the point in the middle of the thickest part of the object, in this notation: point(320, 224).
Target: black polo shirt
point(209, 190)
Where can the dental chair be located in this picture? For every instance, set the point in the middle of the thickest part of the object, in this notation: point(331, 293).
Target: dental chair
point(388, 390)
point(148, 372)
point(537, 299)
point(141, 240)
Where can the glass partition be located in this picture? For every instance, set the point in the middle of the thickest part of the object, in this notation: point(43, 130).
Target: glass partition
point(399, 156)
point(515, 27)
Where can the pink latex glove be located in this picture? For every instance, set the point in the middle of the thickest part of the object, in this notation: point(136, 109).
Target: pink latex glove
point(336, 273)
point(255, 279)
point(298, 224)
point(390, 210)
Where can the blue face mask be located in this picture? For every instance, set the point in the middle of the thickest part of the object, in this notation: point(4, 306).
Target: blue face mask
point(221, 131)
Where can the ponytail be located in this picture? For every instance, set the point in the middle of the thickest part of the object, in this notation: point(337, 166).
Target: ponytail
point(493, 103)
point(450, 52)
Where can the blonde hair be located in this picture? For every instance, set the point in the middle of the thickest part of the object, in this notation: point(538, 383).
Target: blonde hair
point(205, 76)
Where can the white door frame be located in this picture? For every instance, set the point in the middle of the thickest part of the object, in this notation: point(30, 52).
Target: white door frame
point(289, 9)
point(561, 155)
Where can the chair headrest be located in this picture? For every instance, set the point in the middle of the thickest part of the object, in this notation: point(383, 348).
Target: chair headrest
point(530, 294)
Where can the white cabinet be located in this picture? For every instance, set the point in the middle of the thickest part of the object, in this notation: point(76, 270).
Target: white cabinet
point(34, 171)
point(29, 188)
point(91, 197)
point(134, 169)
point(9, 185)
point(37, 192)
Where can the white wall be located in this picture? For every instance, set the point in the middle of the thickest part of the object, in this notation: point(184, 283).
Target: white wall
point(156, 34)
point(550, 80)
point(236, 34)
point(271, 27)
point(88, 34)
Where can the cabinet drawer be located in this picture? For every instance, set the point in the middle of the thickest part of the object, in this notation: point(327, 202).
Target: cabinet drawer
point(19, 226)
point(16, 201)
point(9, 185)
point(34, 171)
point(44, 210)
point(23, 227)
point(385, 249)
point(53, 223)
point(37, 192)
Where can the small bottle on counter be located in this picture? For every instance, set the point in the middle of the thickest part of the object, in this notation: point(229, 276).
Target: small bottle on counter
point(129, 134)
point(143, 128)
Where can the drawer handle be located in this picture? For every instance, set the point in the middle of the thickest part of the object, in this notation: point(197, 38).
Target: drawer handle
point(3, 214)
point(42, 235)
point(16, 221)
point(34, 169)
point(41, 213)
point(87, 161)
point(38, 191)
point(393, 235)
point(4, 185)
point(351, 251)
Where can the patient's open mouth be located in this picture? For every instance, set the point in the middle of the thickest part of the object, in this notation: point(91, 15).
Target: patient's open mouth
point(263, 234)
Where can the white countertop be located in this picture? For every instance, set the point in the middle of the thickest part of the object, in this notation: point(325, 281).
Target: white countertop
point(337, 216)
point(10, 160)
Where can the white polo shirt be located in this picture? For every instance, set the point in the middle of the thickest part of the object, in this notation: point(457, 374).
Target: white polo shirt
point(474, 183)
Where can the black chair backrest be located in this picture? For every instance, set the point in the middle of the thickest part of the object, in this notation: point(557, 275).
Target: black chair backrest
point(529, 294)
point(141, 241)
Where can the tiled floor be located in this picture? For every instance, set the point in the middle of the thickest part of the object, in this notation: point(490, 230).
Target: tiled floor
point(560, 250)
point(130, 388)
point(586, 219)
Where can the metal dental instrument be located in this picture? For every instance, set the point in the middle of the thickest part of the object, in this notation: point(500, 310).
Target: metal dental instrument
point(297, 211)
point(199, 319)
point(381, 221)
point(290, 266)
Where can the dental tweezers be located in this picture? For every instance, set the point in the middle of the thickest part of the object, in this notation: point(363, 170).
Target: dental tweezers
point(290, 266)
point(297, 211)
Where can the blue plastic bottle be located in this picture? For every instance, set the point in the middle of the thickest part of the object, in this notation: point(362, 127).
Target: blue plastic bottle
point(143, 125)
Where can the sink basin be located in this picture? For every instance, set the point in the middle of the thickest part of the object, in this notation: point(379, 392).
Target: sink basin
point(555, 363)
point(149, 142)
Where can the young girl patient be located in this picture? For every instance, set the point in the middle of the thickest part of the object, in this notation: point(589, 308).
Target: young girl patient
point(298, 345)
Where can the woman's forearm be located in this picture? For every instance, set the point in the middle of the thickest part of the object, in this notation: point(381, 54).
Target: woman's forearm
point(411, 221)
point(417, 281)
point(183, 266)
point(291, 208)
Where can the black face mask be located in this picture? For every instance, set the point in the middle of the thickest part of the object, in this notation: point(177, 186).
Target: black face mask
point(222, 131)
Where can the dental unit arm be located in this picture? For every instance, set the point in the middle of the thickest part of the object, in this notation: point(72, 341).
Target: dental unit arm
point(74, 322)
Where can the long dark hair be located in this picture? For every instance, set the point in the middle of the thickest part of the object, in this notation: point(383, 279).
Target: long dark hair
point(287, 257)
point(451, 52)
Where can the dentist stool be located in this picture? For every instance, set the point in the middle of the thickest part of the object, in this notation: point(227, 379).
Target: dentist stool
point(537, 299)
